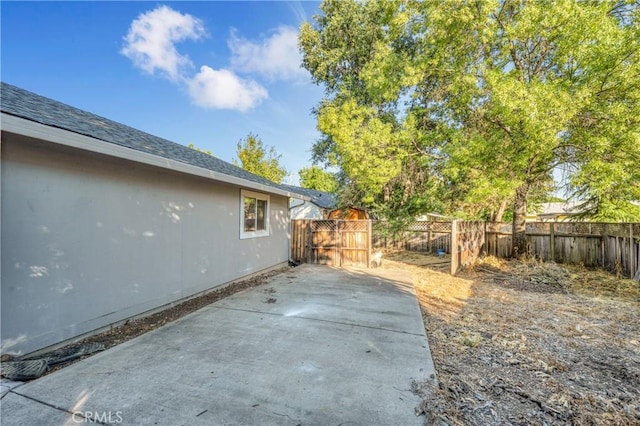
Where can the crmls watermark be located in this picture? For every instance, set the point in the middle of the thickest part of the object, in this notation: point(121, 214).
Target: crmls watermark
point(109, 417)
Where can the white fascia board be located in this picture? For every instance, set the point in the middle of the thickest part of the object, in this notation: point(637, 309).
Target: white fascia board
point(24, 127)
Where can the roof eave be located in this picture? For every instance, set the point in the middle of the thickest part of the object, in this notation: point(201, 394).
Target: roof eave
point(22, 126)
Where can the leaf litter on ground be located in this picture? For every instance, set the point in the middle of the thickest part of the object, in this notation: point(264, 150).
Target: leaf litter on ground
point(526, 342)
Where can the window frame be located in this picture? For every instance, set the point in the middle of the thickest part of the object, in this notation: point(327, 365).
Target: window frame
point(244, 194)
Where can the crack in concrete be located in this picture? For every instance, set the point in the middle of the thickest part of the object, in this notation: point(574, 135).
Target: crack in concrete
point(55, 407)
point(275, 314)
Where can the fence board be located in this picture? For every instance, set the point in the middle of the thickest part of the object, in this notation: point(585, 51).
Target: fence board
point(355, 242)
point(331, 242)
point(324, 242)
point(299, 243)
point(612, 246)
point(468, 240)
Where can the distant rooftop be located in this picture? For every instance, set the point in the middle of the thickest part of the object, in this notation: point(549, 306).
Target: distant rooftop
point(566, 207)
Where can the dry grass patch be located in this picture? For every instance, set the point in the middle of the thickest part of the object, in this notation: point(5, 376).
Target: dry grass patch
point(522, 342)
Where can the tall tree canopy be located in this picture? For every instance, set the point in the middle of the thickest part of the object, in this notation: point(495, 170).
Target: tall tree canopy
point(256, 158)
point(469, 106)
point(314, 177)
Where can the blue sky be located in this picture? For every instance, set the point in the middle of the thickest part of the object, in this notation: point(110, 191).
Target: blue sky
point(206, 73)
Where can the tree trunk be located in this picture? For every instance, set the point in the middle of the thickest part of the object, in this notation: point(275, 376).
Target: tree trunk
point(386, 193)
point(497, 215)
point(519, 217)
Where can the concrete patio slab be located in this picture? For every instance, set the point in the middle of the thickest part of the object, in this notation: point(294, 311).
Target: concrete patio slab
point(6, 385)
point(29, 412)
point(315, 345)
point(351, 296)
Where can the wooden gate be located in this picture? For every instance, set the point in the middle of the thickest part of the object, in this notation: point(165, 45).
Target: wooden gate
point(331, 242)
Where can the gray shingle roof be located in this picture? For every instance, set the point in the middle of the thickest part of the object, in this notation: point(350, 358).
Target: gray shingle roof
point(30, 106)
point(321, 199)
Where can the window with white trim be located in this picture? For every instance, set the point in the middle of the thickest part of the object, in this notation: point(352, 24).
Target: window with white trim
point(254, 214)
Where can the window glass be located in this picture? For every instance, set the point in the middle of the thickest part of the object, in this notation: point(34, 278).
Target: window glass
point(249, 214)
point(261, 214)
point(254, 214)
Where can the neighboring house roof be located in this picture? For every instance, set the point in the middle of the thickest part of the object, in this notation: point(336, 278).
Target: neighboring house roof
point(429, 216)
point(323, 200)
point(21, 103)
point(567, 207)
point(557, 211)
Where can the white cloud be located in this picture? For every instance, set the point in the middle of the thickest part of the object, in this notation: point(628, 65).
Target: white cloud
point(277, 57)
point(151, 46)
point(223, 89)
point(151, 40)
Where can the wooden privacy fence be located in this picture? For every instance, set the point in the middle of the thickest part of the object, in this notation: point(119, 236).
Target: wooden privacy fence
point(461, 240)
point(421, 236)
point(612, 246)
point(331, 242)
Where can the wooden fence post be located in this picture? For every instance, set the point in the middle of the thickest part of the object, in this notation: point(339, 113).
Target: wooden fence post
point(618, 254)
point(454, 248)
point(485, 242)
point(369, 242)
point(338, 243)
point(552, 242)
point(309, 241)
point(632, 259)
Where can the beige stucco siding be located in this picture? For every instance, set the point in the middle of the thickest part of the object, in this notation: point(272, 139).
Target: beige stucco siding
point(88, 240)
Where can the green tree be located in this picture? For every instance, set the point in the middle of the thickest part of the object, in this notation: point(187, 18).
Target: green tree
point(479, 101)
point(364, 134)
point(315, 177)
point(534, 85)
point(263, 161)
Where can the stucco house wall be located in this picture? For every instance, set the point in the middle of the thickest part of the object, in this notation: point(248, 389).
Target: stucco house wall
point(89, 238)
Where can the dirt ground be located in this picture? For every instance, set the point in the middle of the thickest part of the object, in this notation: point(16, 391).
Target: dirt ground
point(521, 342)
